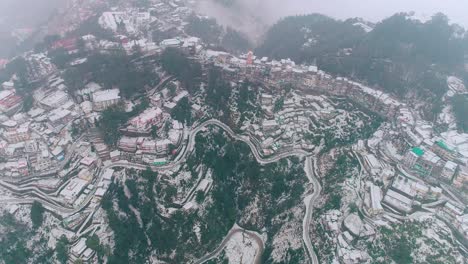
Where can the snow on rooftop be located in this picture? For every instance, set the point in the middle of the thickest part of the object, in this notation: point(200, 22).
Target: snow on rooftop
point(106, 95)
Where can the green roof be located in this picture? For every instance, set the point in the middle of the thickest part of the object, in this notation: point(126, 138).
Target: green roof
point(418, 151)
point(442, 144)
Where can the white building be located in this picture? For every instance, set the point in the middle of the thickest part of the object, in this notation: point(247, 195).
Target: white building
point(111, 20)
point(267, 99)
point(8, 85)
point(128, 144)
point(54, 99)
point(462, 178)
point(269, 125)
point(449, 170)
point(73, 189)
point(373, 164)
point(398, 201)
point(170, 43)
point(162, 146)
point(147, 119)
point(375, 198)
point(18, 134)
point(104, 99)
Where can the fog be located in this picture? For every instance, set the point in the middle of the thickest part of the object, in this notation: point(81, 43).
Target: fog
point(26, 13)
point(252, 16)
point(18, 15)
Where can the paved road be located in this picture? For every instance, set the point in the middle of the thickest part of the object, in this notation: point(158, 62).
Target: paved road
point(310, 200)
point(161, 84)
point(48, 200)
point(235, 230)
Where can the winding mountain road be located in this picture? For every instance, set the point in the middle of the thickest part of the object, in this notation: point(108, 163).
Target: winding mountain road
point(51, 201)
point(310, 202)
point(235, 230)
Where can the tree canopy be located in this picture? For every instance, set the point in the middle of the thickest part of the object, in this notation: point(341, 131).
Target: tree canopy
point(111, 70)
point(460, 109)
point(188, 72)
point(401, 55)
point(37, 214)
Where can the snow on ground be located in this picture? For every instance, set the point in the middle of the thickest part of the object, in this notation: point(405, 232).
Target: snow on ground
point(241, 249)
point(447, 117)
point(289, 237)
point(455, 86)
point(366, 27)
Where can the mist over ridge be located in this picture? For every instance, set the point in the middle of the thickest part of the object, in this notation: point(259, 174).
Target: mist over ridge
point(253, 17)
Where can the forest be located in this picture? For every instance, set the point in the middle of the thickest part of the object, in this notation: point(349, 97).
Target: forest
point(401, 55)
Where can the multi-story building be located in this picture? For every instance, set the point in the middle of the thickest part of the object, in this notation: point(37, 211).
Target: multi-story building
point(443, 150)
point(105, 99)
point(16, 168)
point(9, 102)
point(18, 134)
point(428, 163)
point(448, 171)
point(270, 125)
point(148, 146)
point(461, 179)
point(412, 156)
point(146, 120)
point(375, 199)
point(398, 201)
point(52, 99)
point(128, 144)
point(59, 117)
point(373, 164)
point(162, 146)
point(267, 99)
point(43, 164)
point(8, 85)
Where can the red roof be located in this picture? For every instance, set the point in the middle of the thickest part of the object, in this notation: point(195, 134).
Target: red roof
point(10, 101)
point(68, 44)
point(3, 63)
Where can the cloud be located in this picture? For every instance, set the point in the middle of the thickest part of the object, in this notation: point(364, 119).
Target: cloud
point(254, 16)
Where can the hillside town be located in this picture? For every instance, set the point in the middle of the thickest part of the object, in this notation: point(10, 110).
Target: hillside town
point(408, 170)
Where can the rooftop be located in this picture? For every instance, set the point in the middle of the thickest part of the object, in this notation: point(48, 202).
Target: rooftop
point(106, 95)
point(418, 151)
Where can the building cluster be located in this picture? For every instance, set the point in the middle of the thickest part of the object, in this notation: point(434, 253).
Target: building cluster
point(290, 126)
point(436, 158)
point(47, 139)
point(308, 78)
point(153, 135)
point(43, 140)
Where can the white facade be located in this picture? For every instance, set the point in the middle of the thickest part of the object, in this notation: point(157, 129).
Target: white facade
point(105, 99)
